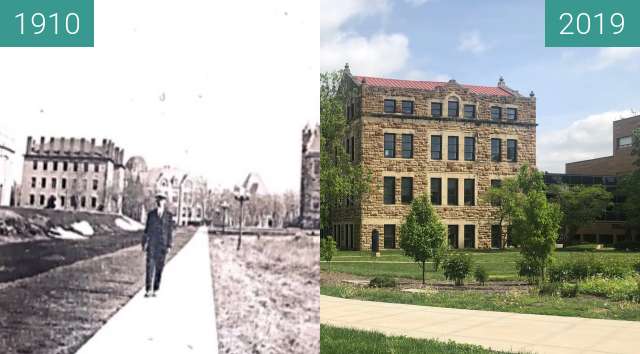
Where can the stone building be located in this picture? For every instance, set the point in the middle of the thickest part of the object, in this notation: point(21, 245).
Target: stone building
point(75, 173)
point(310, 179)
point(186, 194)
point(445, 139)
point(7, 151)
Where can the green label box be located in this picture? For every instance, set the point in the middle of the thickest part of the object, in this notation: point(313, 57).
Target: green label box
point(46, 23)
point(592, 23)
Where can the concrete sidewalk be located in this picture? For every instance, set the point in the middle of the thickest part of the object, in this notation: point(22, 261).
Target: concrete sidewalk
point(496, 330)
point(180, 320)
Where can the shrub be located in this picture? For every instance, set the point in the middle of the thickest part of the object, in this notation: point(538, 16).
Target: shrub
point(457, 267)
point(579, 268)
point(550, 289)
point(382, 282)
point(615, 289)
point(636, 266)
point(585, 247)
point(527, 270)
point(569, 290)
point(481, 275)
point(327, 249)
point(627, 246)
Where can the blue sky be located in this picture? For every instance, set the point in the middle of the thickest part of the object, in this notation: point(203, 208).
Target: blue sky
point(579, 90)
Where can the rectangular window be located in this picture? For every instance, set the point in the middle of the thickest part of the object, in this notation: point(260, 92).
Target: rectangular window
point(64, 183)
point(389, 106)
point(407, 107)
point(86, 167)
point(469, 236)
point(496, 150)
point(436, 191)
point(407, 146)
point(83, 201)
point(34, 182)
point(436, 147)
point(54, 183)
point(32, 199)
point(496, 236)
point(496, 113)
point(495, 183)
point(389, 236)
point(45, 165)
point(65, 166)
point(389, 190)
point(452, 191)
point(94, 202)
point(406, 190)
point(469, 192)
point(75, 167)
point(454, 108)
point(625, 141)
point(96, 167)
point(85, 184)
point(469, 111)
point(389, 145)
point(512, 113)
point(436, 109)
point(41, 199)
point(512, 150)
point(95, 184)
point(469, 149)
point(453, 147)
point(43, 183)
point(55, 165)
point(35, 165)
point(452, 230)
point(62, 201)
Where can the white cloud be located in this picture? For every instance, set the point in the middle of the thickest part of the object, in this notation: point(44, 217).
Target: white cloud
point(335, 13)
point(583, 139)
point(607, 57)
point(416, 2)
point(471, 42)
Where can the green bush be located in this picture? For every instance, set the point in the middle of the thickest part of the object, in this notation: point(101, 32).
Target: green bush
point(550, 289)
point(615, 289)
point(627, 246)
point(382, 282)
point(569, 290)
point(327, 249)
point(457, 267)
point(582, 267)
point(636, 266)
point(481, 275)
point(585, 247)
point(527, 270)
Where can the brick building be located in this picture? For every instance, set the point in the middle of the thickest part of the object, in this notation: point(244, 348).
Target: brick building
point(310, 179)
point(448, 140)
point(77, 173)
point(7, 153)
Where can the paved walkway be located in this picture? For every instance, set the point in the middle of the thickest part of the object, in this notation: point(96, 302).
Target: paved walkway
point(180, 320)
point(496, 330)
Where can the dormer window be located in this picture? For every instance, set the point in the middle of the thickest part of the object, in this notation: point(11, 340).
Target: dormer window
point(389, 106)
point(512, 113)
point(454, 109)
point(407, 107)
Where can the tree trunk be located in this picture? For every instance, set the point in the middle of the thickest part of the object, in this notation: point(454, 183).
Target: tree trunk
point(423, 267)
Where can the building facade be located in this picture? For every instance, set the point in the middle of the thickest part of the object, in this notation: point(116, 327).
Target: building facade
point(7, 152)
point(620, 162)
point(74, 174)
point(444, 139)
point(310, 179)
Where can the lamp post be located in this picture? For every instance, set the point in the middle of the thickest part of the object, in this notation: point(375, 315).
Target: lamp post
point(224, 207)
point(241, 195)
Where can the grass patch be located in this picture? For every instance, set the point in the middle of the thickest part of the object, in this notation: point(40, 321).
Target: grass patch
point(344, 340)
point(581, 306)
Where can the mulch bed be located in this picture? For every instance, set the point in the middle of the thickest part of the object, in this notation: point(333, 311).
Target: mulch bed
point(266, 294)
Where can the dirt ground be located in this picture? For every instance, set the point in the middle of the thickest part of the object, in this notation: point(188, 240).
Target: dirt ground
point(267, 294)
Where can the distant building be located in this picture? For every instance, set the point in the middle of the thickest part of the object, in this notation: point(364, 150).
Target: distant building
point(618, 164)
point(75, 173)
point(186, 194)
point(310, 179)
point(6, 160)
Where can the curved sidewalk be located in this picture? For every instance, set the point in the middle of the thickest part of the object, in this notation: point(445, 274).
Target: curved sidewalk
point(180, 320)
point(496, 330)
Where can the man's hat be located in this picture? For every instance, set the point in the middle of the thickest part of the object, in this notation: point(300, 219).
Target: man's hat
point(160, 196)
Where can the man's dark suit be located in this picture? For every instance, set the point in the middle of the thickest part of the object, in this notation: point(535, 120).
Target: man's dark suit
point(157, 239)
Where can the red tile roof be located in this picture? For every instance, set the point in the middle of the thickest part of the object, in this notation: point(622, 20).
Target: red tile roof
point(429, 85)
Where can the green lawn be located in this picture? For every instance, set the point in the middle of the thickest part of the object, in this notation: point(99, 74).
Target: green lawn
point(343, 340)
point(499, 263)
point(581, 306)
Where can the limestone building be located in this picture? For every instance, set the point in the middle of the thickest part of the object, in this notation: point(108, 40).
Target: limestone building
point(75, 173)
point(310, 179)
point(6, 165)
point(448, 140)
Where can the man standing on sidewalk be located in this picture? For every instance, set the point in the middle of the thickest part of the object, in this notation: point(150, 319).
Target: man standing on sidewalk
point(156, 242)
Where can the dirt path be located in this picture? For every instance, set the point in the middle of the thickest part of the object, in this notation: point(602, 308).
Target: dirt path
point(267, 297)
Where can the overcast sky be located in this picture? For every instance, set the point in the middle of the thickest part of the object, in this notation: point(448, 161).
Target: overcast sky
point(218, 88)
point(579, 91)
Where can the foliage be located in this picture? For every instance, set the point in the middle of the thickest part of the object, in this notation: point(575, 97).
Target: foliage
point(627, 246)
point(457, 267)
point(382, 282)
point(611, 288)
point(580, 205)
point(422, 235)
point(581, 247)
point(581, 267)
point(133, 198)
point(569, 290)
point(481, 274)
point(339, 177)
point(327, 249)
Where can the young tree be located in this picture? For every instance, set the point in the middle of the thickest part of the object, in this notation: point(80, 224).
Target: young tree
point(339, 177)
point(327, 249)
point(580, 205)
point(422, 235)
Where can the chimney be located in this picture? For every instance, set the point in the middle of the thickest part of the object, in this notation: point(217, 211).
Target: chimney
point(41, 147)
point(93, 146)
point(72, 144)
point(52, 142)
point(82, 144)
point(29, 143)
point(61, 145)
